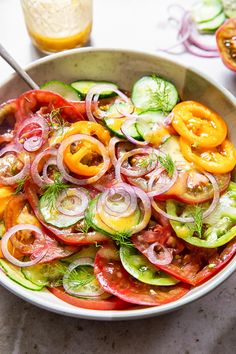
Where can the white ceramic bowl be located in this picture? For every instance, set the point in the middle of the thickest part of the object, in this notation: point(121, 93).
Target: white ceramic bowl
point(123, 67)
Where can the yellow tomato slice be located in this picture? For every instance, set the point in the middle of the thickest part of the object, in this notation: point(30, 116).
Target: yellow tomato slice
point(221, 159)
point(198, 124)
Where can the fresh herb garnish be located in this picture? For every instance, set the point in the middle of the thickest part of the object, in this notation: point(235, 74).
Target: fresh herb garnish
point(20, 185)
point(146, 162)
point(168, 164)
point(55, 119)
point(122, 239)
point(53, 190)
point(197, 215)
point(160, 96)
point(79, 277)
point(82, 227)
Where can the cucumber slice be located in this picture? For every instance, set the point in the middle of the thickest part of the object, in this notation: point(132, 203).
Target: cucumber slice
point(148, 123)
point(87, 252)
point(114, 125)
point(206, 10)
point(62, 89)
point(229, 8)
point(152, 93)
point(114, 225)
point(140, 268)
point(212, 25)
point(16, 275)
point(53, 217)
point(82, 87)
point(47, 274)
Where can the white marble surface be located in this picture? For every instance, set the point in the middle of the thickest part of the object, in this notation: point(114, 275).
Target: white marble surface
point(206, 326)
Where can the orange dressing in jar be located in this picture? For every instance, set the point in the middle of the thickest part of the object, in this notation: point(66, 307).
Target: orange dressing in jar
point(56, 25)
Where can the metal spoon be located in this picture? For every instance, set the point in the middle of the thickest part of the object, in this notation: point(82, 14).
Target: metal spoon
point(6, 56)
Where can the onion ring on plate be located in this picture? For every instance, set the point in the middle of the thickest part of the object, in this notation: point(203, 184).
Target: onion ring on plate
point(12, 231)
point(206, 213)
point(77, 193)
point(165, 258)
point(40, 180)
point(165, 182)
point(26, 160)
point(126, 125)
point(80, 137)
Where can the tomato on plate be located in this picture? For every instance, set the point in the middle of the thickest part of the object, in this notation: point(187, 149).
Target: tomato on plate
point(32, 101)
point(68, 235)
point(113, 303)
point(221, 159)
point(198, 124)
point(192, 265)
point(116, 280)
point(226, 42)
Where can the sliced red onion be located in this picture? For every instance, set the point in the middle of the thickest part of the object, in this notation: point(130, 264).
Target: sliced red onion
point(97, 90)
point(81, 200)
point(78, 262)
point(50, 162)
point(199, 53)
point(34, 142)
point(25, 159)
point(38, 235)
point(125, 203)
point(193, 39)
point(169, 118)
point(80, 137)
point(164, 182)
point(146, 208)
point(165, 257)
point(135, 172)
point(124, 128)
point(112, 149)
point(35, 173)
point(206, 213)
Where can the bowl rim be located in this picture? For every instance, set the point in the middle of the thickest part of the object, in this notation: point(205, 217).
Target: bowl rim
point(63, 308)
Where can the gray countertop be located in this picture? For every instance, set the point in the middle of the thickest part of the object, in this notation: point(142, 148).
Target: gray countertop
point(205, 326)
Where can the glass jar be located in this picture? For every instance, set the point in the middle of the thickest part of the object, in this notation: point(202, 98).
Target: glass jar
point(56, 25)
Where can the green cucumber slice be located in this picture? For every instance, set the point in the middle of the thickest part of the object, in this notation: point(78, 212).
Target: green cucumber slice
point(206, 10)
point(212, 25)
point(15, 274)
point(140, 268)
point(152, 93)
point(229, 8)
point(114, 125)
point(87, 252)
point(148, 122)
point(53, 217)
point(62, 89)
point(83, 86)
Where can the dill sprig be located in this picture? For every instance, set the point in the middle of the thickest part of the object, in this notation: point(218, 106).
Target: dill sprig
point(160, 97)
point(82, 227)
point(146, 162)
point(55, 119)
point(122, 239)
point(168, 164)
point(197, 215)
point(20, 185)
point(79, 277)
point(52, 191)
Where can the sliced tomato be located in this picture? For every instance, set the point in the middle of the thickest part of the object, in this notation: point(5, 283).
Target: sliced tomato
point(68, 235)
point(114, 279)
point(226, 41)
point(113, 303)
point(32, 101)
point(192, 265)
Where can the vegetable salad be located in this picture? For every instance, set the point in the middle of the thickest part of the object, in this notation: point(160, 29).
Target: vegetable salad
point(111, 199)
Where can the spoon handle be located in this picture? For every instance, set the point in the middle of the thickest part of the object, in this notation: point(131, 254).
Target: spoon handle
point(5, 55)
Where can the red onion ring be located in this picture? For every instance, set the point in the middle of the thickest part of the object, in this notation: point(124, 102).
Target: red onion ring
point(9, 234)
point(133, 173)
point(96, 90)
point(147, 210)
point(126, 125)
point(206, 213)
point(34, 142)
point(50, 162)
point(111, 149)
point(41, 181)
point(81, 261)
point(164, 185)
point(25, 170)
point(153, 257)
point(79, 194)
point(78, 137)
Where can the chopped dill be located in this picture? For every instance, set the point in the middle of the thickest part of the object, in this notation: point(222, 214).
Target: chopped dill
point(168, 164)
point(55, 119)
point(79, 276)
point(122, 239)
point(52, 191)
point(147, 161)
point(20, 185)
point(160, 97)
point(82, 227)
point(197, 215)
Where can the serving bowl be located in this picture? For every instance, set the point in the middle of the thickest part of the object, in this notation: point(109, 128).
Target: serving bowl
point(123, 67)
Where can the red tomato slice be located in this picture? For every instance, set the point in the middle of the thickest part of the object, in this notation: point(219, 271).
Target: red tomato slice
point(115, 280)
point(113, 303)
point(32, 101)
point(67, 236)
point(192, 265)
point(226, 42)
